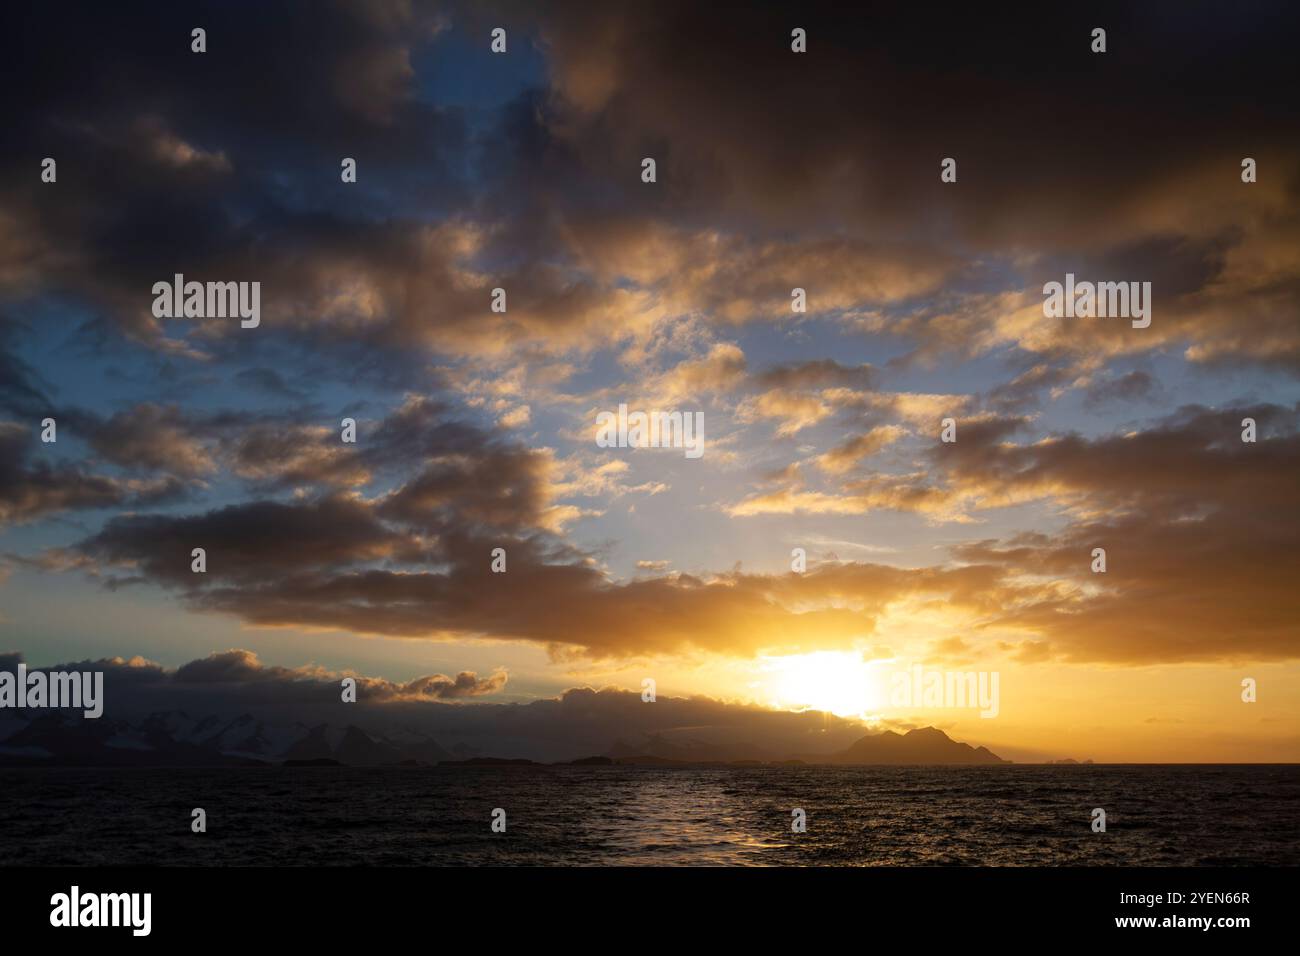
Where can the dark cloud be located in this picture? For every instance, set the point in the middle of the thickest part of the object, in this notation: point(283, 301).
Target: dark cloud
point(225, 166)
point(32, 488)
point(250, 542)
point(1187, 504)
point(1024, 392)
point(500, 487)
point(1199, 554)
point(766, 182)
point(151, 438)
point(364, 565)
point(298, 447)
point(1188, 464)
point(290, 455)
point(239, 666)
point(235, 665)
point(463, 685)
point(1195, 523)
point(819, 373)
point(1133, 386)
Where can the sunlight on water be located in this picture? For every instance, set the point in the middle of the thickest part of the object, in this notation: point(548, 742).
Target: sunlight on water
point(574, 816)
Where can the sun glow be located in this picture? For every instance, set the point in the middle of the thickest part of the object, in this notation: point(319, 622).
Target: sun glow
point(838, 682)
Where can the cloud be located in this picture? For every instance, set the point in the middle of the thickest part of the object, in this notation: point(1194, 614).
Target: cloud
point(151, 437)
point(843, 457)
point(32, 489)
point(592, 259)
point(1130, 387)
point(282, 455)
point(249, 542)
point(464, 684)
point(1184, 501)
point(235, 679)
point(818, 373)
point(238, 666)
point(1197, 559)
point(1178, 215)
point(378, 295)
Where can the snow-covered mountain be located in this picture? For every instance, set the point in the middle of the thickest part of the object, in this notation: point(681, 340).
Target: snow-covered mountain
point(175, 738)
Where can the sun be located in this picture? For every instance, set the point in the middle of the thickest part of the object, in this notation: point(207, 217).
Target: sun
point(838, 682)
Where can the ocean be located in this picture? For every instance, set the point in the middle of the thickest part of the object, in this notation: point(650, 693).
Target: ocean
point(1018, 815)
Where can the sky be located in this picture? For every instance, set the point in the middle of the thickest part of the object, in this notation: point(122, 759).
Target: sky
point(774, 170)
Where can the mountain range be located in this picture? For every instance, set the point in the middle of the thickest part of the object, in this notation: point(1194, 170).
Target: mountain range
point(175, 738)
point(923, 745)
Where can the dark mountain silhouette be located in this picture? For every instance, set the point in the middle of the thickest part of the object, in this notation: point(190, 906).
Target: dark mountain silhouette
point(644, 760)
point(314, 746)
point(924, 745)
point(174, 738)
point(658, 748)
point(357, 749)
point(54, 739)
